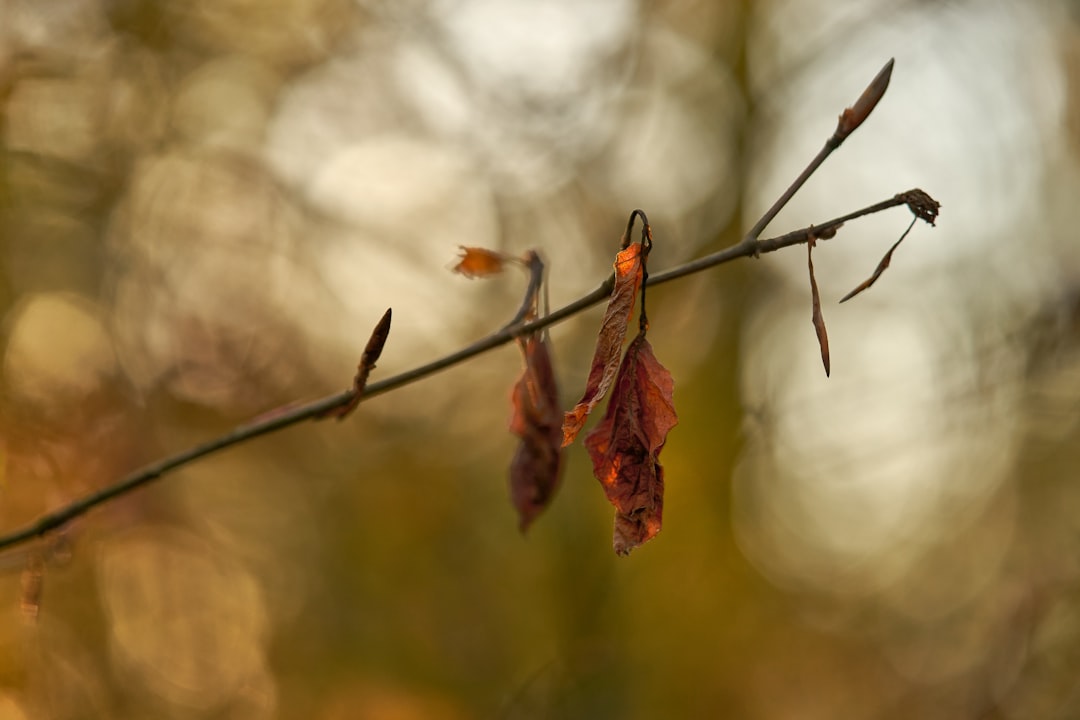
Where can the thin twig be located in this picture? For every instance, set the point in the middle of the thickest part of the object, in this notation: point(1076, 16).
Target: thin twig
point(816, 317)
point(284, 417)
point(849, 121)
point(749, 246)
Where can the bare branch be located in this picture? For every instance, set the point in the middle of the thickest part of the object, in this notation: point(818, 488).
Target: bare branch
point(476, 262)
point(855, 116)
point(291, 415)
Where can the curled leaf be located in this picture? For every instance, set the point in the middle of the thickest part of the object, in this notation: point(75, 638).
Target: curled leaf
point(605, 362)
point(816, 317)
point(924, 208)
point(625, 446)
point(480, 262)
point(855, 115)
point(921, 205)
point(537, 420)
point(881, 267)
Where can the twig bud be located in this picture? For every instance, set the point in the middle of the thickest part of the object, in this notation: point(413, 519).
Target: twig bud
point(854, 116)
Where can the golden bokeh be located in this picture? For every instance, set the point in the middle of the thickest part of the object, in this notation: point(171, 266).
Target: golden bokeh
point(205, 207)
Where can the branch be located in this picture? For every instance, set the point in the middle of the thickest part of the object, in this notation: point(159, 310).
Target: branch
point(849, 122)
point(284, 417)
point(344, 402)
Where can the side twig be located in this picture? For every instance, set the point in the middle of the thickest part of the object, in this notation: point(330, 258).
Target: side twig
point(849, 122)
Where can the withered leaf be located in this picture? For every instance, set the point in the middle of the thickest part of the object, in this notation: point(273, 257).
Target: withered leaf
point(537, 420)
point(881, 267)
point(626, 445)
point(816, 317)
point(480, 262)
point(924, 208)
point(921, 205)
point(605, 362)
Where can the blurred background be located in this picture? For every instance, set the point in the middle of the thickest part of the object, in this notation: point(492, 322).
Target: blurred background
point(205, 206)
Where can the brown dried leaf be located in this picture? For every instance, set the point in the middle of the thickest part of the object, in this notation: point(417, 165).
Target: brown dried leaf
point(816, 316)
point(605, 362)
point(537, 420)
point(881, 267)
point(626, 445)
point(924, 208)
point(480, 262)
point(855, 115)
point(921, 205)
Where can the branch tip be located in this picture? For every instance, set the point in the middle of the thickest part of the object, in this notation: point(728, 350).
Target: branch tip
point(854, 116)
point(850, 119)
point(375, 344)
point(368, 358)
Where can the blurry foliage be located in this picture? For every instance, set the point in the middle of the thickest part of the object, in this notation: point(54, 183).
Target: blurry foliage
point(204, 205)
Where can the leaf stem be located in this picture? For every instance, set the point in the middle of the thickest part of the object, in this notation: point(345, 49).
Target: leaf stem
point(535, 266)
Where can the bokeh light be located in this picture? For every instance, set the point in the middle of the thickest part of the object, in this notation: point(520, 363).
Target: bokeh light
point(205, 207)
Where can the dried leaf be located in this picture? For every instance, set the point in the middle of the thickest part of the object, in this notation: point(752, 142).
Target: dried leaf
point(855, 115)
point(605, 362)
point(881, 267)
point(537, 420)
point(921, 205)
point(816, 316)
point(626, 445)
point(480, 262)
point(924, 208)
